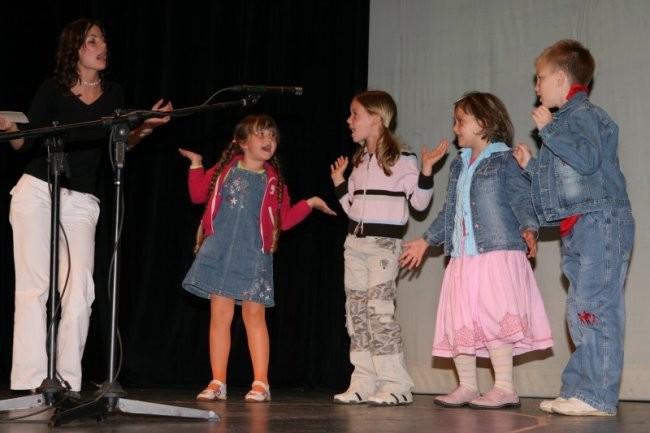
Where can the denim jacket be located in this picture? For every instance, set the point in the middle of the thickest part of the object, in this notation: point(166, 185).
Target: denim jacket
point(500, 203)
point(577, 169)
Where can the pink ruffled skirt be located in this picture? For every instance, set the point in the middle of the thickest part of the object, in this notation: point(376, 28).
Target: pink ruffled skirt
point(489, 301)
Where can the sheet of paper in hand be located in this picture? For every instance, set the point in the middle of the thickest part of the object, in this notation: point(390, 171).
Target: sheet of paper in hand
point(14, 116)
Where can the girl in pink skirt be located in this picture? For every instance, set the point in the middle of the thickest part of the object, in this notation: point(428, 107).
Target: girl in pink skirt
point(490, 305)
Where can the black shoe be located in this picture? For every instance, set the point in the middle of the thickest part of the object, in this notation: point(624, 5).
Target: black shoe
point(75, 395)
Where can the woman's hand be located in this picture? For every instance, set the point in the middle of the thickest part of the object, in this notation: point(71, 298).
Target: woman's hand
point(7, 125)
point(150, 124)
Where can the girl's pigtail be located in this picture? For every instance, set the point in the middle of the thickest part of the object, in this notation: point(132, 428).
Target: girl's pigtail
point(388, 151)
point(199, 239)
point(226, 156)
point(277, 222)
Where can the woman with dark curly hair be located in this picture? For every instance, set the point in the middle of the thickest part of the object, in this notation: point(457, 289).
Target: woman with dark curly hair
point(78, 92)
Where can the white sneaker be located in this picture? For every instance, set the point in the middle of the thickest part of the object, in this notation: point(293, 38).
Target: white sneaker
point(215, 391)
point(255, 396)
point(385, 398)
point(547, 405)
point(575, 407)
point(350, 397)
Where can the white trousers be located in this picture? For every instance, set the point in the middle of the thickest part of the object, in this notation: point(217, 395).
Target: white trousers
point(30, 219)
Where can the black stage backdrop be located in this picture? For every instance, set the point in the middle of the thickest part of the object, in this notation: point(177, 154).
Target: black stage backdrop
point(184, 52)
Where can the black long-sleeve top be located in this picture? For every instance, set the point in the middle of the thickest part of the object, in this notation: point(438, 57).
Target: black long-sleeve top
point(83, 147)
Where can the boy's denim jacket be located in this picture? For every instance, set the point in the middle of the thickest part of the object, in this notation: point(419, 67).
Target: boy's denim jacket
point(500, 206)
point(577, 169)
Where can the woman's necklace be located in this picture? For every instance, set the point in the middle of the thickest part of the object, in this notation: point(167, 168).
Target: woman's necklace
point(90, 83)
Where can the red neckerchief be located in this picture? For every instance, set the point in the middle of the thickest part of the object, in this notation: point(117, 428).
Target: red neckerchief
point(575, 88)
point(567, 223)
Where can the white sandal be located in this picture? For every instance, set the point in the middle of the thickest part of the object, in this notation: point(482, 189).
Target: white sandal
point(255, 396)
point(216, 390)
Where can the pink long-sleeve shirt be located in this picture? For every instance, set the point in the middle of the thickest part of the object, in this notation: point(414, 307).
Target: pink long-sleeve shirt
point(199, 185)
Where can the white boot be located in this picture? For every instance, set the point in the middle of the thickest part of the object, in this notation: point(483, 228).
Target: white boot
point(394, 381)
point(363, 380)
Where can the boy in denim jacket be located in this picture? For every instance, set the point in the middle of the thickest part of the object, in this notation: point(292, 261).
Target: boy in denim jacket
point(577, 183)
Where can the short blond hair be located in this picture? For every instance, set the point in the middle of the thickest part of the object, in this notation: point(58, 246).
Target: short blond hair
point(571, 57)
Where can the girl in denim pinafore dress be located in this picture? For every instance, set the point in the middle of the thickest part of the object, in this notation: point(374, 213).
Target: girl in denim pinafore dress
point(231, 262)
point(247, 205)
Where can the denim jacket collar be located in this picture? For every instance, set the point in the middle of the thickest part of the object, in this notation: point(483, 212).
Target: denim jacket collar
point(498, 146)
point(577, 99)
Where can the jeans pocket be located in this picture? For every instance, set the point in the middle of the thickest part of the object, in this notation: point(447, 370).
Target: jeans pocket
point(626, 228)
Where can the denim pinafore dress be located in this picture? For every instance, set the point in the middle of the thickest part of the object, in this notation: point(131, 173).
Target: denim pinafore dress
point(231, 262)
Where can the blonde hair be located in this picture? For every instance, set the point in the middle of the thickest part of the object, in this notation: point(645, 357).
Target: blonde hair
point(571, 57)
point(389, 148)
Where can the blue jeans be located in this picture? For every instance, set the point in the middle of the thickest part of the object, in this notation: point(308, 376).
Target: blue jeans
point(595, 259)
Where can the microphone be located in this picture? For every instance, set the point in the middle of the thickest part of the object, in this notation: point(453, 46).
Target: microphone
point(260, 90)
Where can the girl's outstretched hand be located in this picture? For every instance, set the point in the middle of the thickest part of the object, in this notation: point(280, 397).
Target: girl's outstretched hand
point(318, 203)
point(430, 158)
point(337, 169)
point(522, 154)
point(413, 253)
point(195, 158)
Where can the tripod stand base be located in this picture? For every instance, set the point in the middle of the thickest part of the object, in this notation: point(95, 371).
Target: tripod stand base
point(26, 402)
point(101, 407)
point(50, 391)
point(42, 403)
point(69, 408)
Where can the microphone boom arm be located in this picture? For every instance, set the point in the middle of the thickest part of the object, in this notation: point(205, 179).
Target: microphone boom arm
point(131, 117)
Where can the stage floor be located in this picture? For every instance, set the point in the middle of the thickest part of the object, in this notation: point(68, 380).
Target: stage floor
point(298, 411)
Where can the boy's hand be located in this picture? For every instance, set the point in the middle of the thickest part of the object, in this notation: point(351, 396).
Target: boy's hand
point(541, 116)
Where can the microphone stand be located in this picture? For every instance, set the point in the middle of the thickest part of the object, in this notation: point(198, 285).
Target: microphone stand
point(110, 396)
point(51, 388)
